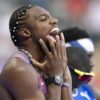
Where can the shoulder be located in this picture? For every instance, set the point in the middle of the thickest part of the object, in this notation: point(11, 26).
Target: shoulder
point(16, 71)
point(16, 64)
point(20, 79)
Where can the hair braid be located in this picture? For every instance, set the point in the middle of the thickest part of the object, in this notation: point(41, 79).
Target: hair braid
point(17, 21)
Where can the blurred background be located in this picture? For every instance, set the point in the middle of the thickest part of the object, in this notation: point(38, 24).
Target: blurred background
point(82, 13)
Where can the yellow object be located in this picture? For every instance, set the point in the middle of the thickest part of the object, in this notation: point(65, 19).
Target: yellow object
point(81, 73)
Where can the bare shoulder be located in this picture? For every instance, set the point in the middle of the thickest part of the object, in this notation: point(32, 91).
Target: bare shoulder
point(20, 77)
point(17, 67)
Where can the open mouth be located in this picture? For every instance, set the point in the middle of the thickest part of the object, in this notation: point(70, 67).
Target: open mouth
point(53, 33)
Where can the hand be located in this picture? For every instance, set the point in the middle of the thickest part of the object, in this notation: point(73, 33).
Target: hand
point(67, 76)
point(56, 61)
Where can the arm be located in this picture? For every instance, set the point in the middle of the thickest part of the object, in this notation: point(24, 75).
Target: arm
point(57, 62)
point(4, 95)
point(23, 83)
point(54, 92)
point(20, 81)
point(66, 91)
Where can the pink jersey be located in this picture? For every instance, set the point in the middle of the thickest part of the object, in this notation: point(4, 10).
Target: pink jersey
point(25, 58)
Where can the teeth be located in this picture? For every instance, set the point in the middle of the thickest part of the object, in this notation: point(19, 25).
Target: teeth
point(55, 29)
point(53, 33)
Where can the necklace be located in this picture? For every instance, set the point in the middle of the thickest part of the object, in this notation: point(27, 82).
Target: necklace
point(32, 61)
point(28, 55)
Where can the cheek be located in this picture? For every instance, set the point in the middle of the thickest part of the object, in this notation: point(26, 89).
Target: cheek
point(42, 29)
point(43, 32)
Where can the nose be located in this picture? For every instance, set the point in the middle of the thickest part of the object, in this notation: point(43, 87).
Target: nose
point(53, 21)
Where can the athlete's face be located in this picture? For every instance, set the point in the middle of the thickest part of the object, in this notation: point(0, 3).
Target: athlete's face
point(42, 24)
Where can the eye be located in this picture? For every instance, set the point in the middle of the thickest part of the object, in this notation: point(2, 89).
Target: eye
point(43, 17)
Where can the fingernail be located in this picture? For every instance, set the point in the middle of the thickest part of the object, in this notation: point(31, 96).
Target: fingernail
point(40, 40)
point(48, 36)
point(61, 33)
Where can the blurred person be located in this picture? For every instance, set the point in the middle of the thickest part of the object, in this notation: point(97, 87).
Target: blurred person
point(80, 38)
point(41, 51)
point(81, 72)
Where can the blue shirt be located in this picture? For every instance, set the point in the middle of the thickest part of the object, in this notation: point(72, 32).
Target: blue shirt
point(84, 92)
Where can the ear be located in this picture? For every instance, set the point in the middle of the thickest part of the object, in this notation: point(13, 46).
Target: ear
point(25, 33)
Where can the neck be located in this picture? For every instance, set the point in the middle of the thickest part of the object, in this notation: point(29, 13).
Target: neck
point(35, 51)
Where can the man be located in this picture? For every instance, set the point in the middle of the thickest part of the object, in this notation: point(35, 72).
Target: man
point(81, 71)
point(41, 51)
point(80, 38)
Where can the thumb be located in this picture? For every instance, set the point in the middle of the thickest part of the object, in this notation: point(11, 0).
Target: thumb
point(38, 64)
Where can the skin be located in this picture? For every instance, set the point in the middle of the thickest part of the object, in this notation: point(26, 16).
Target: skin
point(20, 78)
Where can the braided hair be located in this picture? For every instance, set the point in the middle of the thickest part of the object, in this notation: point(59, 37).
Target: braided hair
point(17, 21)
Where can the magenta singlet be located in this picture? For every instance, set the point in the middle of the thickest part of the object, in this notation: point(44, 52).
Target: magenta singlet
point(25, 58)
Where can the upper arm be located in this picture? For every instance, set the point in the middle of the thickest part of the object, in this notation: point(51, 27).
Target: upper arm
point(4, 95)
point(22, 83)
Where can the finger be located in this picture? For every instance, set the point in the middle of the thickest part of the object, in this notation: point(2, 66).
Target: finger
point(62, 37)
point(52, 45)
point(38, 64)
point(63, 44)
point(58, 44)
point(44, 47)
